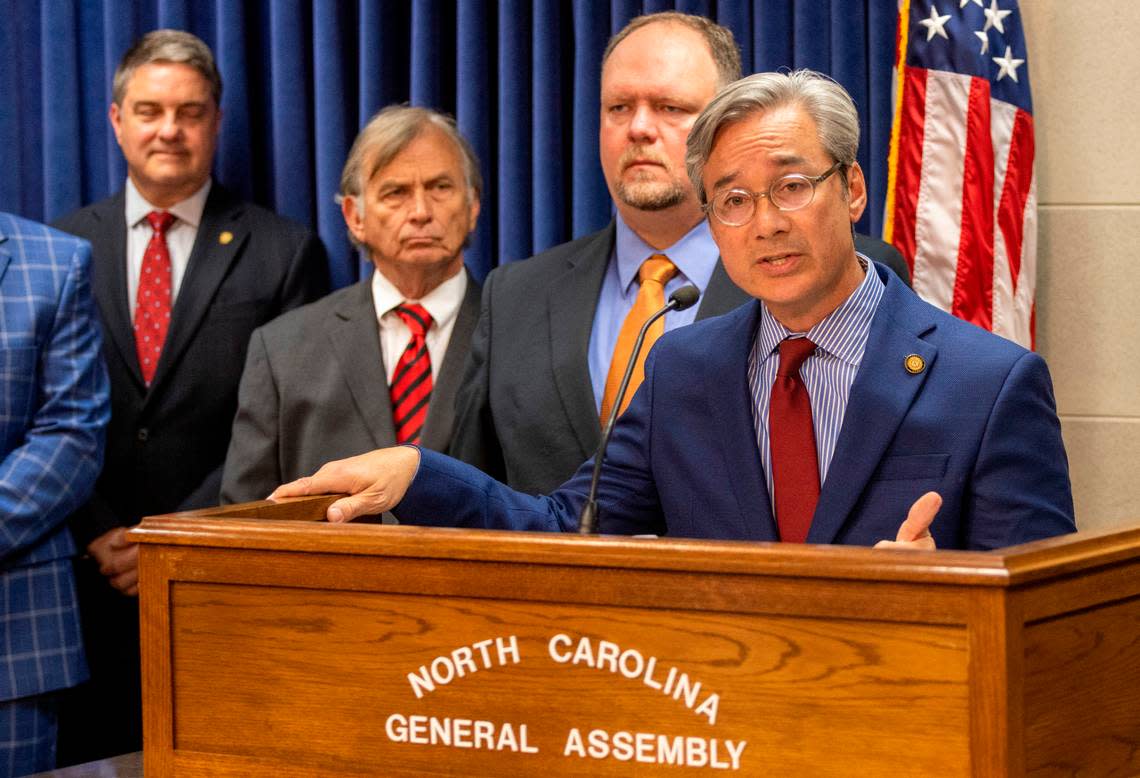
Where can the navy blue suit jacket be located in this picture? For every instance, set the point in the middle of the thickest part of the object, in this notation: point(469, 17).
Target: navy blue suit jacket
point(978, 425)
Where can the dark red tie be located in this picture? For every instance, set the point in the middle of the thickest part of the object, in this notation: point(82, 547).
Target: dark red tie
point(411, 383)
point(795, 468)
point(152, 306)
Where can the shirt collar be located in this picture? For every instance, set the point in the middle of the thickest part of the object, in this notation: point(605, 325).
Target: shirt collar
point(843, 332)
point(188, 211)
point(695, 254)
point(442, 303)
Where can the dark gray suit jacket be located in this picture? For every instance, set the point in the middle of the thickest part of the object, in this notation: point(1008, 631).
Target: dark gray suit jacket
point(314, 389)
point(526, 412)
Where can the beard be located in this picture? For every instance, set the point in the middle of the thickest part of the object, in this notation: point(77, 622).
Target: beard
point(645, 191)
point(651, 195)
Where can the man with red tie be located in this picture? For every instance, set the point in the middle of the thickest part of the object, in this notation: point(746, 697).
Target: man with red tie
point(183, 271)
point(555, 331)
point(379, 362)
point(835, 407)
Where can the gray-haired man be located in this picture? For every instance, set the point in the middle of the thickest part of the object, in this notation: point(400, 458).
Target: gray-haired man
point(553, 336)
point(379, 362)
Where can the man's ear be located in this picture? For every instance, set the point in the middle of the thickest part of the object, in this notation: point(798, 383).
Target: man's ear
point(114, 113)
point(856, 192)
point(472, 211)
point(353, 217)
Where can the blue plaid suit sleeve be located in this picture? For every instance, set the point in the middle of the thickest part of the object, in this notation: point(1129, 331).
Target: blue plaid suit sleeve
point(54, 404)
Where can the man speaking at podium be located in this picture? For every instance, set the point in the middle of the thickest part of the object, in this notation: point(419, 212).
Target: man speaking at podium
point(830, 409)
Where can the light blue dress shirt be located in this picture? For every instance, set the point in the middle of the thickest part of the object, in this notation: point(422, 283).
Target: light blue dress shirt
point(695, 256)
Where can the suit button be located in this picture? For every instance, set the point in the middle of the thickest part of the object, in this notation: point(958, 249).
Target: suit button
point(143, 434)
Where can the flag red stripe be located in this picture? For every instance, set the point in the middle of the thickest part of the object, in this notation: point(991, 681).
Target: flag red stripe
point(912, 119)
point(974, 281)
point(1018, 176)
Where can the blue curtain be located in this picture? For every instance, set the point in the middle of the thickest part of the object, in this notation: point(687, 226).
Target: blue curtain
point(521, 77)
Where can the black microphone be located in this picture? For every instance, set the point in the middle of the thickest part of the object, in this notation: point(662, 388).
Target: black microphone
point(683, 298)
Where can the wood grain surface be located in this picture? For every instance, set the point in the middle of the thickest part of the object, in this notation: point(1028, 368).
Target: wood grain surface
point(289, 648)
point(313, 676)
point(1081, 680)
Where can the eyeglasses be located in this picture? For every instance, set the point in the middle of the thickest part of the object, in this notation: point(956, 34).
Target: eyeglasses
point(792, 192)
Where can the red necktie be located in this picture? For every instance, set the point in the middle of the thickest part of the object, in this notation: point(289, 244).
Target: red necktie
point(795, 467)
point(411, 383)
point(152, 306)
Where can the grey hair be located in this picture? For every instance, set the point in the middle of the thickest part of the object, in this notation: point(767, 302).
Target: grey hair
point(720, 40)
point(173, 46)
point(824, 100)
point(388, 133)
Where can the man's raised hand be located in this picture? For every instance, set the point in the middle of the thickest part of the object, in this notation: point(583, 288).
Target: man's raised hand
point(915, 531)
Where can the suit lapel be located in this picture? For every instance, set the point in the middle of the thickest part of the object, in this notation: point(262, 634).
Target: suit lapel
point(441, 409)
point(572, 299)
point(354, 337)
point(5, 257)
point(8, 423)
point(209, 263)
point(727, 386)
point(721, 295)
point(109, 279)
point(881, 395)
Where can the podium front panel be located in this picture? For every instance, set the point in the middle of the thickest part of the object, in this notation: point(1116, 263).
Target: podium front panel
point(355, 664)
point(294, 649)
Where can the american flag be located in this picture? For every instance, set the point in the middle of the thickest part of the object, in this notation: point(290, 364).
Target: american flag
point(961, 195)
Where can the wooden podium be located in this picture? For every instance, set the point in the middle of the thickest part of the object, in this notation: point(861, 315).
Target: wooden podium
point(287, 648)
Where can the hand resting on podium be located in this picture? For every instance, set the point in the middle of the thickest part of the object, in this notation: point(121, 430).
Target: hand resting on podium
point(375, 482)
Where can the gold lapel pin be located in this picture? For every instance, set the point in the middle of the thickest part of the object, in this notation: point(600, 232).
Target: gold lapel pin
point(914, 364)
point(226, 238)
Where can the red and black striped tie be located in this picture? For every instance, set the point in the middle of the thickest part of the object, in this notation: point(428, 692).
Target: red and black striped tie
point(411, 383)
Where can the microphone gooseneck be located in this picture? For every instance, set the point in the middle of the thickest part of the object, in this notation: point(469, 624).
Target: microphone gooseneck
point(683, 298)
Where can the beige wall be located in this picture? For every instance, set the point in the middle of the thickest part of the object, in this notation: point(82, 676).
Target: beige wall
point(1084, 66)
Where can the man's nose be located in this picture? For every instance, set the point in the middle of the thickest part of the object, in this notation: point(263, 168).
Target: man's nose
point(420, 205)
point(170, 128)
point(643, 124)
point(768, 220)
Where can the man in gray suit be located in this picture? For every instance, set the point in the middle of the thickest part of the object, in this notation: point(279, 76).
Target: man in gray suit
point(377, 363)
point(546, 355)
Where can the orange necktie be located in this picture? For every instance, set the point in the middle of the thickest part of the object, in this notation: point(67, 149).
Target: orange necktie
point(654, 273)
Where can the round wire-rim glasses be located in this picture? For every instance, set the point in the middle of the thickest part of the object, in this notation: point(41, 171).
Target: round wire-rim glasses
point(735, 207)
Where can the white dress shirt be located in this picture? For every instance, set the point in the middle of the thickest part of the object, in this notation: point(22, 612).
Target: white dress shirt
point(179, 237)
point(442, 303)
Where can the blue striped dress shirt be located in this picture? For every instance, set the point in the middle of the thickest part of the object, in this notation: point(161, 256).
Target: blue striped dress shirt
point(840, 339)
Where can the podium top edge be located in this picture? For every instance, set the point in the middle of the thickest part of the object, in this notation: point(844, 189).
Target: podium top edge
point(1028, 563)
